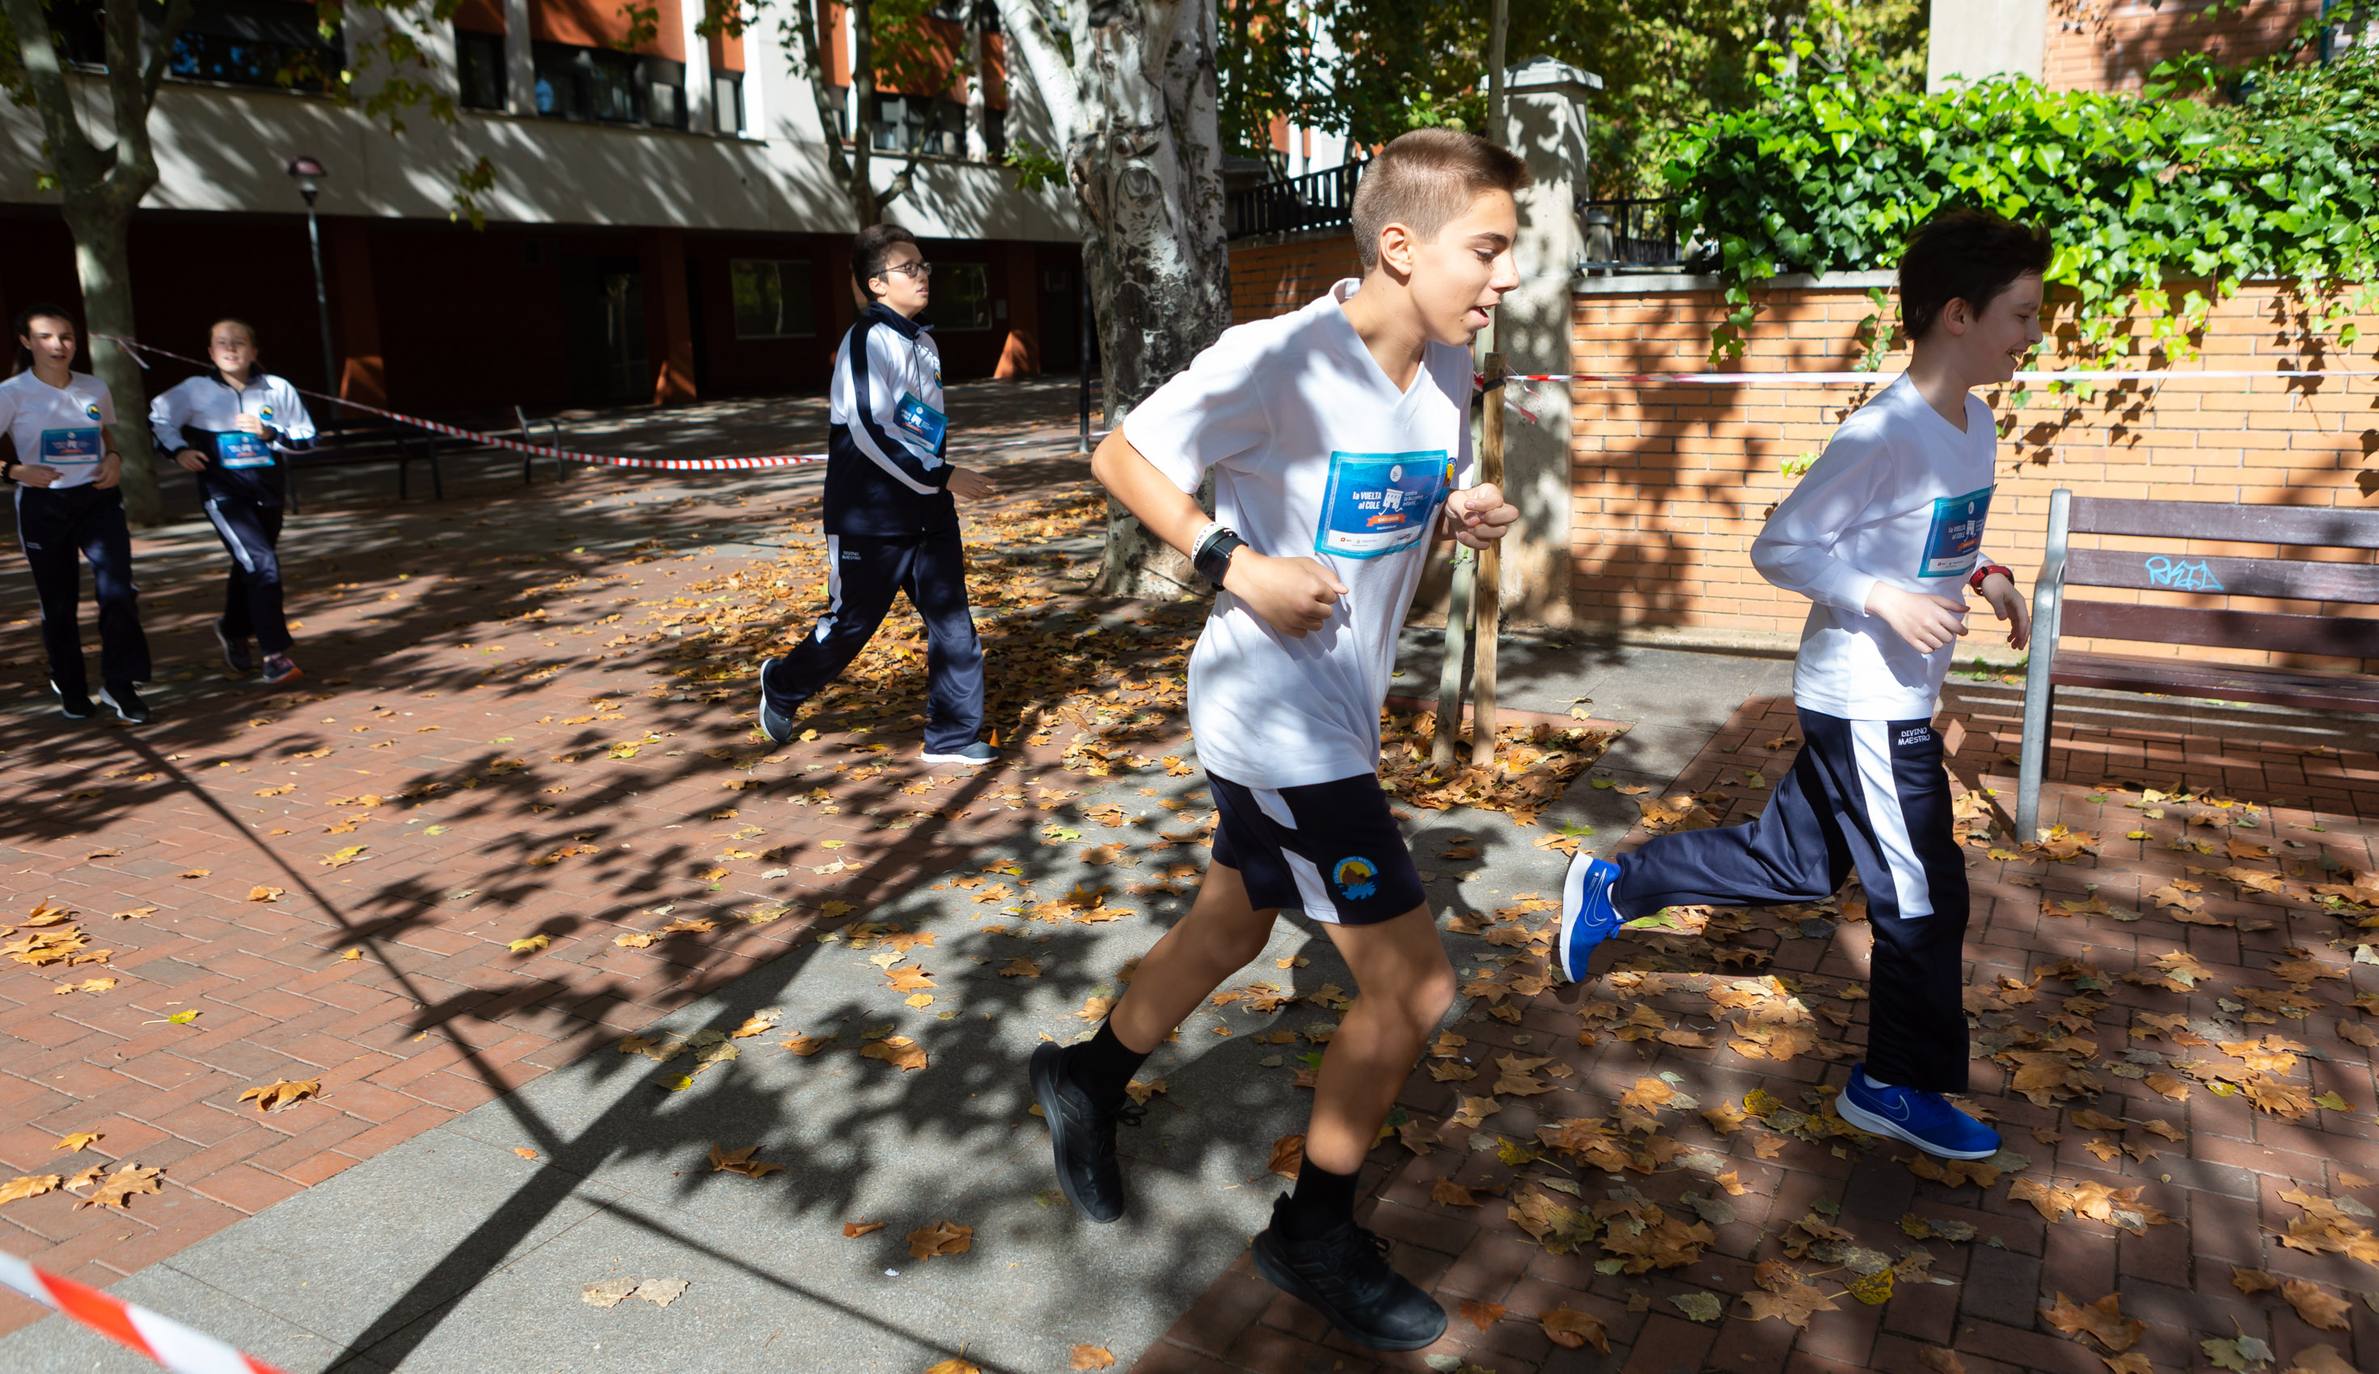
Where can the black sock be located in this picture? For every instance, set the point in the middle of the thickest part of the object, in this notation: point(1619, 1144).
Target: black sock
point(1103, 1065)
point(1322, 1201)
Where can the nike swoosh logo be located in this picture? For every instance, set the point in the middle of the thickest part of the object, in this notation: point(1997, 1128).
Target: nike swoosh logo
point(1897, 1109)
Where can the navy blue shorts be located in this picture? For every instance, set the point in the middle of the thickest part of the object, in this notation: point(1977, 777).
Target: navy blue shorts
point(1330, 850)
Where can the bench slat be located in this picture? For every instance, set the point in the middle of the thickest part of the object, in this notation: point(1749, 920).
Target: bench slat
point(2337, 636)
point(2288, 579)
point(2298, 525)
point(2220, 682)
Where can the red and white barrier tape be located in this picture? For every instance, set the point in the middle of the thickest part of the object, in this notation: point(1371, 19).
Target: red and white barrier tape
point(2077, 377)
point(162, 1339)
point(737, 462)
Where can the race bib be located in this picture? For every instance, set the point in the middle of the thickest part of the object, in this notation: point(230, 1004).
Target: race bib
point(70, 448)
point(1379, 503)
point(1955, 539)
point(237, 449)
point(919, 421)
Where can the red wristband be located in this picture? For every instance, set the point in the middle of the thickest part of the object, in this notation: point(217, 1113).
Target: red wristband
point(1982, 573)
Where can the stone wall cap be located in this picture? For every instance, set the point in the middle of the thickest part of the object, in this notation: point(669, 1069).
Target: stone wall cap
point(1546, 74)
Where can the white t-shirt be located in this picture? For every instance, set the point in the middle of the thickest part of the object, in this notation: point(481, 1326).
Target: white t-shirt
point(1900, 496)
point(1315, 454)
point(59, 427)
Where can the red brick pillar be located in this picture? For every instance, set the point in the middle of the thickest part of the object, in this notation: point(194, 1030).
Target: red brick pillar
point(668, 316)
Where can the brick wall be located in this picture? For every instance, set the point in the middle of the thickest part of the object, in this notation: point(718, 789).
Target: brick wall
point(2111, 45)
point(1275, 276)
point(1673, 483)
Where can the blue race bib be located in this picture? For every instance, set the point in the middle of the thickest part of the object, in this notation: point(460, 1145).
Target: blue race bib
point(919, 421)
point(238, 449)
point(1955, 540)
point(70, 448)
point(1380, 503)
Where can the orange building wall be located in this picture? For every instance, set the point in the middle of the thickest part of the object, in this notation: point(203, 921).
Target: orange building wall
point(2111, 45)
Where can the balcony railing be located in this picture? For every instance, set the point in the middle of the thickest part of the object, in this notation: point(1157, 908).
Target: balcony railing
point(1628, 234)
point(1317, 200)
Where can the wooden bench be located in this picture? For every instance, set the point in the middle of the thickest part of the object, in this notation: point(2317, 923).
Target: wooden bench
point(2055, 614)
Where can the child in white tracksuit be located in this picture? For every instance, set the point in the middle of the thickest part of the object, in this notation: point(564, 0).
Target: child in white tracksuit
point(1883, 535)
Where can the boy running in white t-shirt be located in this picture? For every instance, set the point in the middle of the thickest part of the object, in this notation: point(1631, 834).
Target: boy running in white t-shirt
point(1337, 438)
point(1883, 535)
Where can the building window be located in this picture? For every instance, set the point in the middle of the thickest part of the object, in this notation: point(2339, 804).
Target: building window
point(258, 43)
point(609, 87)
point(772, 298)
point(479, 69)
point(995, 133)
point(726, 101)
point(934, 127)
point(961, 296)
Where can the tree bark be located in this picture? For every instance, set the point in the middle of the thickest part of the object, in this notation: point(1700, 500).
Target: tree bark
point(102, 262)
point(1136, 108)
point(98, 188)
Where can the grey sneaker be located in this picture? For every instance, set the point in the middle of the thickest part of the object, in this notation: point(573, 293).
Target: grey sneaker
point(125, 702)
point(279, 669)
point(776, 724)
point(235, 651)
point(974, 755)
point(75, 705)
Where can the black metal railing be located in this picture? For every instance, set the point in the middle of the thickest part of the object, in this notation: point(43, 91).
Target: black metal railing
point(1629, 233)
point(1317, 200)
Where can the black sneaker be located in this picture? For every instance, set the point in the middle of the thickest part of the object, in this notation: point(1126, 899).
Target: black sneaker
point(125, 702)
point(235, 651)
point(776, 724)
point(1344, 1275)
point(1081, 1137)
point(76, 705)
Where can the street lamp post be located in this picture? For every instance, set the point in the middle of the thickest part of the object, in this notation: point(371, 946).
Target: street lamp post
point(309, 174)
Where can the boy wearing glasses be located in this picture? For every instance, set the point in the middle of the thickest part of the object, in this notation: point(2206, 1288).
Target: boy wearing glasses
point(890, 523)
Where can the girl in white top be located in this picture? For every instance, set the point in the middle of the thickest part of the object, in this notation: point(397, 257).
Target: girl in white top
point(64, 466)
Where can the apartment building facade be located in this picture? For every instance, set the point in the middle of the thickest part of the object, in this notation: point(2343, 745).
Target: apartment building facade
point(664, 223)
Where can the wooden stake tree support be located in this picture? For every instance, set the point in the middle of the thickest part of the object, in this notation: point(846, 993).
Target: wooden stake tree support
point(1476, 575)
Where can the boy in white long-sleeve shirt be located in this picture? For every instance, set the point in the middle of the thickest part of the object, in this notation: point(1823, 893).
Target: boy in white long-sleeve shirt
point(1883, 535)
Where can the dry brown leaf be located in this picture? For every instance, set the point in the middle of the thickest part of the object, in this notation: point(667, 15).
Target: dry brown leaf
point(1288, 1155)
point(899, 1051)
point(741, 1161)
point(2318, 1308)
point(1571, 1329)
point(281, 1092)
point(524, 1152)
point(807, 1045)
point(2252, 1280)
point(261, 893)
point(953, 1365)
point(28, 1185)
point(1092, 1357)
point(941, 1238)
point(2320, 1359)
point(1940, 1359)
point(2101, 1320)
point(1481, 1314)
point(80, 1140)
point(1447, 1193)
point(853, 1230)
point(759, 1023)
point(119, 1187)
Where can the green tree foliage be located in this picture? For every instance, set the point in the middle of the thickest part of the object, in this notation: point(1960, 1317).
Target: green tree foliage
point(1665, 64)
point(1830, 169)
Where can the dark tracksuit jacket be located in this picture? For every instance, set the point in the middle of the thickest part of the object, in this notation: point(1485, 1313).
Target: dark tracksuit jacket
point(891, 527)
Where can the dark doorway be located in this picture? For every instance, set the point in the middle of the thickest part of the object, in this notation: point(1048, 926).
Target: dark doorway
point(603, 300)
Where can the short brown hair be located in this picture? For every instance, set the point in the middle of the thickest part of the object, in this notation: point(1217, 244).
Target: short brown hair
point(1970, 255)
point(1424, 180)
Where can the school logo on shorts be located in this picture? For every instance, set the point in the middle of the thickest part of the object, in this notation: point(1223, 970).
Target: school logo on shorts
point(1357, 878)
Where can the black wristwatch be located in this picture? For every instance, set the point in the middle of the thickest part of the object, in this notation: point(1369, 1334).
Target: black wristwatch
point(1214, 556)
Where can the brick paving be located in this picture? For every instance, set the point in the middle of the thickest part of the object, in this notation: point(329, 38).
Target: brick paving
point(2307, 792)
point(526, 716)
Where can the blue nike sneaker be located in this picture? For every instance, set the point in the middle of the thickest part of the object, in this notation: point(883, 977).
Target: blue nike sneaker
point(1925, 1120)
point(1587, 916)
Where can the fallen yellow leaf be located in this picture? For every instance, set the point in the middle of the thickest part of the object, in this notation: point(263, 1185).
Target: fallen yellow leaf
point(281, 1092)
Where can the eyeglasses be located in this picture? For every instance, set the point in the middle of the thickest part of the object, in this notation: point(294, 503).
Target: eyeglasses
point(919, 270)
